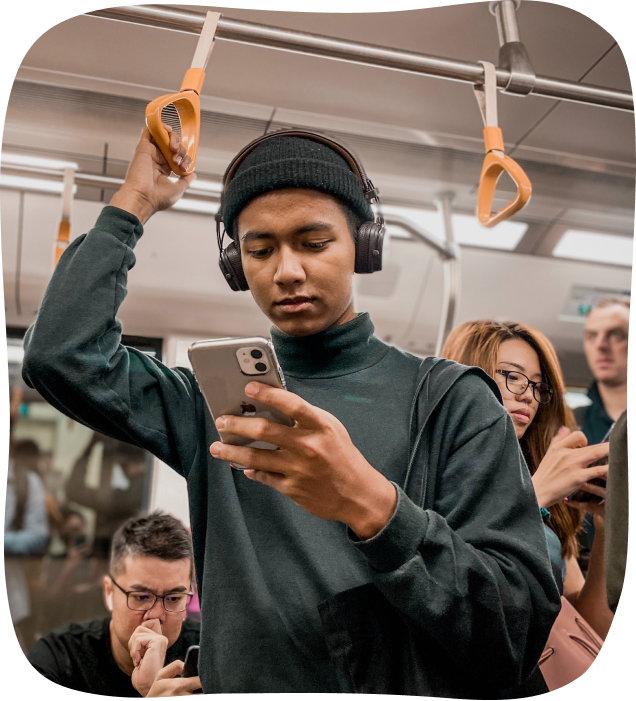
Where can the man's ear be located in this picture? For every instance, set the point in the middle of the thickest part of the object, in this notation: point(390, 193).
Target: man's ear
point(108, 592)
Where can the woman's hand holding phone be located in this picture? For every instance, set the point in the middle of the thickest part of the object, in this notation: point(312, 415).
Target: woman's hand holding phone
point(567, 466)
point(595, 505)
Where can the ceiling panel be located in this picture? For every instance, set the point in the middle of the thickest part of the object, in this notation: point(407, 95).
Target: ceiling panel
point(561, 42)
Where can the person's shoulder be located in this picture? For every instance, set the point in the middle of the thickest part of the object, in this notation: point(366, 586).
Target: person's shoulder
point(35, 482)
point(77, 632)
point(471, 397)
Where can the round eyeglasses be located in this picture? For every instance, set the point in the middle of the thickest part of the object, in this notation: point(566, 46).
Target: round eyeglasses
point(175, 602)
point(517, 383)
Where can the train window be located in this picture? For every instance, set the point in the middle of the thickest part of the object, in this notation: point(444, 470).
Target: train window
point(69, 489)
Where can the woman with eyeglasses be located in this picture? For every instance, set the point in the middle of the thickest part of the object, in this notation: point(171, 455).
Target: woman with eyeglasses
point(525, 366)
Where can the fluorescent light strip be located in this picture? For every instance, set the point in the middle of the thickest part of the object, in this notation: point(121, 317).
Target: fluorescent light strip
point(197, 206)
point(15, 354)
point(468, 231)
point(202, 185)
point(17, 182)
point(595, 247)
point(206, 186)
point(36, 162)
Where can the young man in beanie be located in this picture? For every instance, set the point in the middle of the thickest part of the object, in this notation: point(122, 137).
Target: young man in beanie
point(327, 512)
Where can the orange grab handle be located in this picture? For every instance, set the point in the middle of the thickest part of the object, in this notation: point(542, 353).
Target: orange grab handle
point(62, 241)
point(189, 108)
point(495, 163)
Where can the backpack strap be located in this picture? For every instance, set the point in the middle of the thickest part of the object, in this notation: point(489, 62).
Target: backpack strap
point(435, 378)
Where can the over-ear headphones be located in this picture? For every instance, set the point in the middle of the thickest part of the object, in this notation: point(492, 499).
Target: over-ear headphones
point(110, 601)
point(368, 238)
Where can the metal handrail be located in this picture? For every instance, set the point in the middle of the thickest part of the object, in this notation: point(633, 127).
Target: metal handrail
point(256, 34)
point(89, 179)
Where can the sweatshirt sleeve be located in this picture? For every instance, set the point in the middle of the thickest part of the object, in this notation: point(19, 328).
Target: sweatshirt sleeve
point(75, 359)
point(473, 571)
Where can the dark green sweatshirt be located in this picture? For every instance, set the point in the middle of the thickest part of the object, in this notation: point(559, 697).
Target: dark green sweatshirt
point(473, 571)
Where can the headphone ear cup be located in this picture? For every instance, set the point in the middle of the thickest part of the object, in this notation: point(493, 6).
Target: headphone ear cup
point(232, 268)
point(369, 239)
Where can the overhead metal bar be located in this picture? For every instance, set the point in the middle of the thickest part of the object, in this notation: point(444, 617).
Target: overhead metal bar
point(244, 32)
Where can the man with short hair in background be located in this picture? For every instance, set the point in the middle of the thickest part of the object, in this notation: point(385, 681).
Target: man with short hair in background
point(605, 344)
point(147, 590)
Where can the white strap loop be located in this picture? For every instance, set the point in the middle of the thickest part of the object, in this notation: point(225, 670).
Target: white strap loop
point(486, 95)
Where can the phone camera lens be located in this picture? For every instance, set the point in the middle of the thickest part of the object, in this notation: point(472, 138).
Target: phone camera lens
point(256, 354)
point(261, 367)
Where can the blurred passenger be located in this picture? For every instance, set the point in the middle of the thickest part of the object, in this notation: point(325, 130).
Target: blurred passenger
point(525, 366)
point(616, 509)
point(26, 534)
point(605, 344)
point(119, 493)
point(71, 585)
point(52, 478)
point(147, 592)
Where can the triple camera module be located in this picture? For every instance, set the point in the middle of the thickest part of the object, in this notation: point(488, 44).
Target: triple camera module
point(252, 361)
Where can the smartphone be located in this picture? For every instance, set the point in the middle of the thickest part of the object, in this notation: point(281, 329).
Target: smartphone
point(191, 662)
point(582, 495)
point(223, 366)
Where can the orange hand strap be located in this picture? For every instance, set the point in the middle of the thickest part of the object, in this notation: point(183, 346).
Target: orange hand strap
point(182, 111)
point(496, 162)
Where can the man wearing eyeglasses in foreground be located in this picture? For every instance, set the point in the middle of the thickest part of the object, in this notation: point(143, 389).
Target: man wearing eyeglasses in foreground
point(147, 591)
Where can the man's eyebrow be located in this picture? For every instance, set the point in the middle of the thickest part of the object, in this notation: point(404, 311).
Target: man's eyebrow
point(305, 229)
point(519, 367)
point(314, 226)
point(143, 588)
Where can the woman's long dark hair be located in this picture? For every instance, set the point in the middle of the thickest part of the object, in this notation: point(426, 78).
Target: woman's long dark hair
point(477, 343)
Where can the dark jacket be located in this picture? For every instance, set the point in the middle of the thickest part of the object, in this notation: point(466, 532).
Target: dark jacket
point(472, 571)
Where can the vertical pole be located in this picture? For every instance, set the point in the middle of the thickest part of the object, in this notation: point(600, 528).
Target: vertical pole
point(451, 270)
point(64, 231)
point(506, 14)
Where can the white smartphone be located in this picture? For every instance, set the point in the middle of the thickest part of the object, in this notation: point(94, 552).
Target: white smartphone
point(223, 366)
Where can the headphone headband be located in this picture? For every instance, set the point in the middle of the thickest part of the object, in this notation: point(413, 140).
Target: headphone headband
point(368, 238)
point(369, 191)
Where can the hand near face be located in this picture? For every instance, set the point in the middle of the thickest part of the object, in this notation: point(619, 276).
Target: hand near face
point(147, 647)
point(317, 466)
point(168, 683)
point(564, 469)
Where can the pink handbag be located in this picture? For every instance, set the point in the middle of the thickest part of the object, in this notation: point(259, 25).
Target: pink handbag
point(571, 648)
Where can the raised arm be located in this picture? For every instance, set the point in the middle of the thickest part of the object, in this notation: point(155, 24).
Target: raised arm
point(73, 351)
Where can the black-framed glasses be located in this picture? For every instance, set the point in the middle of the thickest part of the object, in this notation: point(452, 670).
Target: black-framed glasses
point(175, 602)
point(518, 383)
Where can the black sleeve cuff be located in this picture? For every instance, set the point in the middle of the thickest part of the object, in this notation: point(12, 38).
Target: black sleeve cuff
point(398, 541)
point(121, 224)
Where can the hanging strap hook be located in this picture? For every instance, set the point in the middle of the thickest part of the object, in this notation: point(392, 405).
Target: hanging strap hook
point(182, 110)
point(496, 162)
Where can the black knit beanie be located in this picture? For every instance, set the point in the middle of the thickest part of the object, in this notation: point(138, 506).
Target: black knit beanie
point(292, 161)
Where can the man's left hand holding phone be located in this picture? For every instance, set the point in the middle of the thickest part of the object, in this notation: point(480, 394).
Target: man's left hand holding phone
point(148, 647)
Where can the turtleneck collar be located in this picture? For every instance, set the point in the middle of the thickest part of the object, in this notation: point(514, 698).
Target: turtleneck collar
point(340, 350)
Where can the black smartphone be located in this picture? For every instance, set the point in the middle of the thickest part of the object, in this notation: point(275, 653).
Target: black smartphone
point(581, 494)
point(191, 663)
